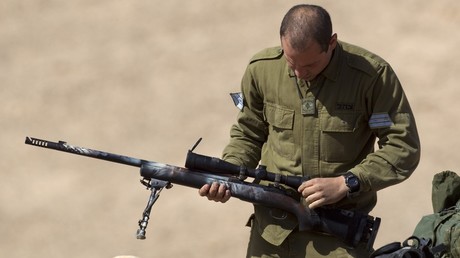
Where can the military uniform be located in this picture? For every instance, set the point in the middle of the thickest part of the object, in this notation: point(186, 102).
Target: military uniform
point(324, 128)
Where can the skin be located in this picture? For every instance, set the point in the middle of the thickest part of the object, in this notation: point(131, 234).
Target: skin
point(312, 61)
point(306, 65)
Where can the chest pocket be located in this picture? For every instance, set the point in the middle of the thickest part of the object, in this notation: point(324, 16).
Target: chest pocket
point(339, 136)
point(281, 123)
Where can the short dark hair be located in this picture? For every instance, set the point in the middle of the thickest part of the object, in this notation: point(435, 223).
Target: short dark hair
point(303, 23)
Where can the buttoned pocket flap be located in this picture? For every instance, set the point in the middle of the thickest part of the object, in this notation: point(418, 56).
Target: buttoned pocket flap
point(278, 116)
point(344, 122)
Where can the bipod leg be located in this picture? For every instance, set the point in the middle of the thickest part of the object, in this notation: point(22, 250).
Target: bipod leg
point(155, 186)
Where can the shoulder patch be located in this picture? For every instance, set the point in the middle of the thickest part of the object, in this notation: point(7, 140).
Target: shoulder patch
point(237, 98)
point(267, 54)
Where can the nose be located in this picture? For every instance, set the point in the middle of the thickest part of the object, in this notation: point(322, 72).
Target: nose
point(297, 73)
point(300, 73)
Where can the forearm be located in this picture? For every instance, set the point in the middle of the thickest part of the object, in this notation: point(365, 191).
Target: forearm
point(399, 145)
point(390, 165)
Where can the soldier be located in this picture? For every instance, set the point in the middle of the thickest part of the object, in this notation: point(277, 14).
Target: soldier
point(315, 107)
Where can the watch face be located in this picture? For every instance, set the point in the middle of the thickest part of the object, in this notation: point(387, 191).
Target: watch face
point(352, 182)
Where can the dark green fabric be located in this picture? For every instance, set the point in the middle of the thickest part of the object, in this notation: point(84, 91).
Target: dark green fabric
point(443, 226)
point(356, 85)
point(300, 245)
point(446, 190)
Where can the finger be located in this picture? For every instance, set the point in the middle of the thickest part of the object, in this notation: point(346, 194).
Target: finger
point(305, 184)
point(307, 191)
point(203, 191)
point(309, 199)
point(227, 196)
point(221, 191)
point(213, 189)
point(220, 194)
point(315, 200)
point(302, 187)
point(316, 204)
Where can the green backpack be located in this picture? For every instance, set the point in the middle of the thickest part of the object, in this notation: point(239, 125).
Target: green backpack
point(436, 235)
point(443, 226)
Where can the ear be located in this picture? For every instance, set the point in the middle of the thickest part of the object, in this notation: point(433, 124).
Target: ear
point(333, 41)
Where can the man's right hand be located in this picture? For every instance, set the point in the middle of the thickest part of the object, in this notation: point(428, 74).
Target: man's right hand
point(215, 192)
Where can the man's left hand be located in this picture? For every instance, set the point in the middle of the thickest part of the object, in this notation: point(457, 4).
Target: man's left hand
point(322, 191)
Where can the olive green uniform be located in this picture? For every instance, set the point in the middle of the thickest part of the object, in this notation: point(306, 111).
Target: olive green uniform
point(323, 128)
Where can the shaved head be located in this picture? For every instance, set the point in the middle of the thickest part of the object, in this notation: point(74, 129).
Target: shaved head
point(305, 23)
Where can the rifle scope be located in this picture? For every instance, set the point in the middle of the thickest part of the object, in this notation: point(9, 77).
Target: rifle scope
point(219, 166)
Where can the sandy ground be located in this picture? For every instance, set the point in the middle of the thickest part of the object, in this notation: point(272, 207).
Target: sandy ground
point(147, 79)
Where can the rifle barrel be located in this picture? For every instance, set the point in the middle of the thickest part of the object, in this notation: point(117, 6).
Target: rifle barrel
point(63, 146)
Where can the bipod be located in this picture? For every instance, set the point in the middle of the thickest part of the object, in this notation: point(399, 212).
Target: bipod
point(155, 186)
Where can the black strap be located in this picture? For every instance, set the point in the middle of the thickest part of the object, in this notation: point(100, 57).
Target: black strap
point(386, 249)
point(441, 248)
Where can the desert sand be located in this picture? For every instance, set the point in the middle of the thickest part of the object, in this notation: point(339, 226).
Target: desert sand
point(147, 79)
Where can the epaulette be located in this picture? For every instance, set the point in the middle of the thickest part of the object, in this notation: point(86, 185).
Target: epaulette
point(267, 54)
point(361, 59)
point(363, 64)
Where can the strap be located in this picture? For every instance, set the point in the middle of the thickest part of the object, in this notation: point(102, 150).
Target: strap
point(439, 249)
point(386, 249)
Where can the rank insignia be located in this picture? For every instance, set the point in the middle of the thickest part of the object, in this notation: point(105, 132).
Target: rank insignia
point(380, 120)
point(308, 106)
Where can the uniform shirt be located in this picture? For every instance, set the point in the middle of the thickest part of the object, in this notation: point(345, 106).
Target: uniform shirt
point(354, 101)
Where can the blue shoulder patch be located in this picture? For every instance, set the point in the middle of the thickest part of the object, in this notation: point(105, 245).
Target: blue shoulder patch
point(237, 98)
point(380, 120)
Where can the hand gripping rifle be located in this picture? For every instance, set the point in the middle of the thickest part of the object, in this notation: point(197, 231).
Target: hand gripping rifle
point(351, 227)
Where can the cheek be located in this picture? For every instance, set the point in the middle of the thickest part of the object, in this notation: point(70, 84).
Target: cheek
point(321, 67)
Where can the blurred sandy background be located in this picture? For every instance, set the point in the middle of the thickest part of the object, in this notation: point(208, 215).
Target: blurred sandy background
point(147, 79)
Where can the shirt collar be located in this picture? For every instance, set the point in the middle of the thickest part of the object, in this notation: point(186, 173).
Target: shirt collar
point(331, 71)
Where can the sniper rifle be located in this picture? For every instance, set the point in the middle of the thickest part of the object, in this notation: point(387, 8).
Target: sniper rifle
point(352, 227)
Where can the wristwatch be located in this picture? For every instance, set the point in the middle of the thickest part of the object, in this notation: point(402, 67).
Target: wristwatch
point(352, 182)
